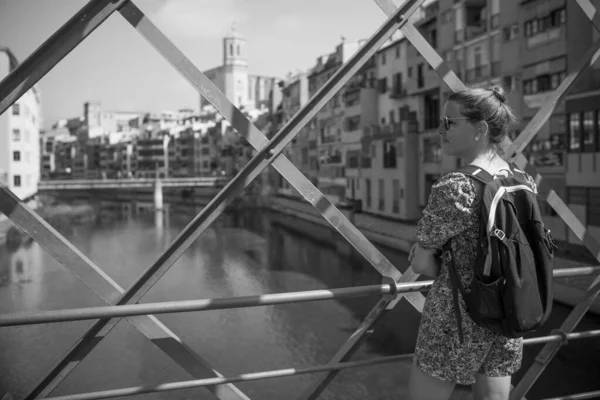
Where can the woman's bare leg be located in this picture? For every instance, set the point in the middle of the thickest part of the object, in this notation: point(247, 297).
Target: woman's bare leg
point(422, 386)
point(487, 388)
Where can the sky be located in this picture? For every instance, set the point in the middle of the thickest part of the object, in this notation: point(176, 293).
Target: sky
point(117, 67)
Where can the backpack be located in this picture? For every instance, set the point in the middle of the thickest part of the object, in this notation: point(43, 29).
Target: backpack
point(511, 292)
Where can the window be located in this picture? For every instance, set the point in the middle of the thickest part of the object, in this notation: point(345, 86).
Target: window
point(588, 131)
point(553, 19)
point(16, 156)
point(397, 84)
point(16, 135)
point(389, 154)
point(381, 205)
point(543, 83)
point(392, 117)
point(574, 132)
point(433, 38)
point(231, 49)
point(420, 77)
point(383, 85)
point(398, 51)
point(368, 190)
point(432, 111)
point(352, 123)
point(17, 181)
point(15, 109)
point(510, 83)
point(383, 60)
point(410, 72)
point(396, 196)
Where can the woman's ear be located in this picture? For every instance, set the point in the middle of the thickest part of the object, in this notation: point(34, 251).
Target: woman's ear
point(482, 128)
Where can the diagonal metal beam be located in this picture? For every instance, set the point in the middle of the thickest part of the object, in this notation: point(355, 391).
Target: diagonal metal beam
point(107, 289)
point(269, 151)
point(430, 55)
point(550, 349)
point(350, 346)
point(591, 12)
point(194, 229)
point(282, 164)
point(455, 84)
point(45, 57)
point(514, 152)
point(353, 343)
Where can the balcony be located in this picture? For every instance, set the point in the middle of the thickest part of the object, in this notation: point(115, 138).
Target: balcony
point(477, 73)
point(330, 139)
point(397, 92)
point(334, 159)
point(544, 37)
point(475, 30)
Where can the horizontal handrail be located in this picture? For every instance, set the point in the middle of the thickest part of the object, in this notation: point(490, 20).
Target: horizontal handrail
point(80, 314)
point(254, 376)
point(578, 396)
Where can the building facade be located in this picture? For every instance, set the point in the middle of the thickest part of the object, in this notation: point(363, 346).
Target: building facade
point(20, 137)
point(330, 125)
point(582, 108)
point(294, 96)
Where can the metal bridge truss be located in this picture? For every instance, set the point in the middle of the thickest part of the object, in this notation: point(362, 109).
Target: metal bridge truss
point(395, 285)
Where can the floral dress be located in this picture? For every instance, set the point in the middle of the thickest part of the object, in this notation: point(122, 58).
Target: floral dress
point(453, 213)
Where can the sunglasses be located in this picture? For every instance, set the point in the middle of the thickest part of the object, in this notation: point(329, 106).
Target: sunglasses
point(445, 122)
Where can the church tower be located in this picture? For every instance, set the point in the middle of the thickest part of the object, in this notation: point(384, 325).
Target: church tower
point(235, 64)
point(234, 49)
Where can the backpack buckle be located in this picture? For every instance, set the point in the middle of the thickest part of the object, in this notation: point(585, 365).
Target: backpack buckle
point(499, 234)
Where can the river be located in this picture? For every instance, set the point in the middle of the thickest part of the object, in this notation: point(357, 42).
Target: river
point(241, 255)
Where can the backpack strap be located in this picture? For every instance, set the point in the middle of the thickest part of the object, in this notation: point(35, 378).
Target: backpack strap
point(476, 173)
point(457, 285)
point(480, 178)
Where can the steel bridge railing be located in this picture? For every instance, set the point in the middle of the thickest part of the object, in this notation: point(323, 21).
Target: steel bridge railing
point(167, 307)
point(93, 15)
point(255, 301)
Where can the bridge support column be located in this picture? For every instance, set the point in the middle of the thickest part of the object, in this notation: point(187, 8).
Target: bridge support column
point(158, 195)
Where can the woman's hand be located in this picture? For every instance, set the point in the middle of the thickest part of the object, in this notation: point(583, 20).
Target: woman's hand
point(424, 261)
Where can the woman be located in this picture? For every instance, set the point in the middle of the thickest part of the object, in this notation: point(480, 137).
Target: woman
point(473, 124)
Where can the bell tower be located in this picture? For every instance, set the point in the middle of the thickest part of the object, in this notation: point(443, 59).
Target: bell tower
point(234, 48)
point(235, 66)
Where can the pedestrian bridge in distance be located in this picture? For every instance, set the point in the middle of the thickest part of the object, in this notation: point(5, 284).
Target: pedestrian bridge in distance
point(91, 184)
